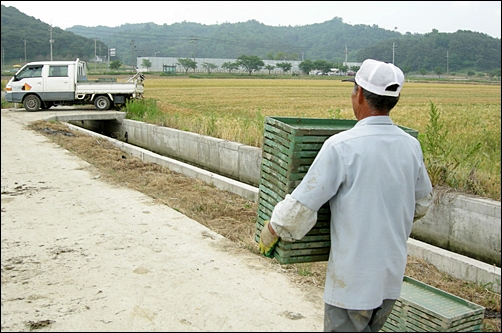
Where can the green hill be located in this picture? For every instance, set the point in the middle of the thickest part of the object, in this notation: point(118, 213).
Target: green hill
point(23, 36)
point(332, 41)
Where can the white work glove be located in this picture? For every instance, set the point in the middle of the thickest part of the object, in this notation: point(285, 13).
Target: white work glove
point(268, 241)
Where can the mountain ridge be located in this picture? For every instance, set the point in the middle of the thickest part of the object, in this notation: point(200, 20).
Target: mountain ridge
point(333, 41)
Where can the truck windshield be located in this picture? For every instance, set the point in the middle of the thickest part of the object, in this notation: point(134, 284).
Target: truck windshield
point(30, 71)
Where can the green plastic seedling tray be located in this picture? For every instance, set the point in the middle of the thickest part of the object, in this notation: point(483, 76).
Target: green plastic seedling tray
point(289, 148)
point(423, 308)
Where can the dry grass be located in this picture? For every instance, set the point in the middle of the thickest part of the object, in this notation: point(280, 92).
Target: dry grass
point(474, 105)
point(231, 215)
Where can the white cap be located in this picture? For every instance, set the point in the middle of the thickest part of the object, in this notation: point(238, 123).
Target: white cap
point(376, 76)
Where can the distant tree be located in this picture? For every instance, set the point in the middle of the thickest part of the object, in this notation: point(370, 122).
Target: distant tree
point(146, 63)
point(187, 64)
point(281, 56)
point(494, 73)
point(306, 66)
point(355, 68)
point(406, 69)
point(323, 65)
point(343, 68)
point(270, 56)
point(115, 64)
point(439, 70)
point(230, 66)
point(269, 68)
point(294, 56)
point(250, 63)
point(470, 73)
point(209, 66)
point(285, 66)
point(423, 71)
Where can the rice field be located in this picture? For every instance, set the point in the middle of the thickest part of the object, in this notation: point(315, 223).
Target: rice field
point(235, 109)
point(468, 126)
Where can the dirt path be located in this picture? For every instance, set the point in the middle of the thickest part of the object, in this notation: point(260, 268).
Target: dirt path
point(79, 254)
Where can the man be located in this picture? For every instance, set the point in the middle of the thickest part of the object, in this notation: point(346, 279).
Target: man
point(375, 180)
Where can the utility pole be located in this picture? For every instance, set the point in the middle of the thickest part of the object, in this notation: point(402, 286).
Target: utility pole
point(346, 52)
point(95, 58)
point(25, 50)
point(446, 62)
point(51, 40)
point(133, 48)
point(194, 40)
point(393, 51)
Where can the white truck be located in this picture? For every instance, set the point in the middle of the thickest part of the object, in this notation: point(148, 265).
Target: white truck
point(41, 85)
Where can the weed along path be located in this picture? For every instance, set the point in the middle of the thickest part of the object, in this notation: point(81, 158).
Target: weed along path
point(79, 254)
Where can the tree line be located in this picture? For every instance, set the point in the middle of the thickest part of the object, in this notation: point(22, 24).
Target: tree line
point(252, 64)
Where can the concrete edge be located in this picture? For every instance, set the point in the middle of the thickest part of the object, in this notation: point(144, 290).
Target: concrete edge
point(456, 265)
point(101, 115)
point(223, 183)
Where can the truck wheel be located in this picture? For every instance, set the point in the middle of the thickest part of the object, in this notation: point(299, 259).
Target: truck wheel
point(102, 103)
point(32, 103)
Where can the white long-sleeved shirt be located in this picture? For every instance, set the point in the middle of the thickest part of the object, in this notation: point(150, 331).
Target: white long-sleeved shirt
point(376, 183)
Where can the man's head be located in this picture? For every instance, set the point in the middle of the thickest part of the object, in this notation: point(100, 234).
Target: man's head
point(379, 78)
point(380, 84)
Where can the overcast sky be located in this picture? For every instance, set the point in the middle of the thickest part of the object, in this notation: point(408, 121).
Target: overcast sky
point(404, 16)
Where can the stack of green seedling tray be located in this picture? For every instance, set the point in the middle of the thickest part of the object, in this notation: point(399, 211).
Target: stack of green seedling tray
point(423, 308)
point(289, 148)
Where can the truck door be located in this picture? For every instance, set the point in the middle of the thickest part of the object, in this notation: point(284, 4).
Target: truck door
point(29, 79)
point(58, 85)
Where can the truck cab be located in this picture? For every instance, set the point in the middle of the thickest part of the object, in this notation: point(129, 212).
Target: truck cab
point(50, 82)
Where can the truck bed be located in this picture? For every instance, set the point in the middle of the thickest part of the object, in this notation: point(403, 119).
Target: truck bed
point(98, 87)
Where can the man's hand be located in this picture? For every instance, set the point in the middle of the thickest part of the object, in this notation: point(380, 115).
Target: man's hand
point(268, 240)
